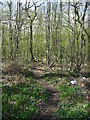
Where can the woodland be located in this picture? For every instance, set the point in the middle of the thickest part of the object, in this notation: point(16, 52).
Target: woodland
point(45, 59)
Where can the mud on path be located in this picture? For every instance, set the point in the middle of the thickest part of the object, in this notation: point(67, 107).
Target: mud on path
point(49, 108)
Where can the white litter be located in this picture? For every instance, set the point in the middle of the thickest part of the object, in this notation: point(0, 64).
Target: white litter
point(84, 78)
point(73, 82)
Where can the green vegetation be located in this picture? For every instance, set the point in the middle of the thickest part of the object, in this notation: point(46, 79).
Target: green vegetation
point(67, 110)
point(22, 100)
point(72, 105)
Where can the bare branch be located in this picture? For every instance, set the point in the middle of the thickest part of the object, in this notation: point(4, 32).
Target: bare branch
point(35, 12)
point(32, 5)
point(85, 9)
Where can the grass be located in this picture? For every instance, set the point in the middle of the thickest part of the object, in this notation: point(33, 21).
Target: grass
point(72, 104)
point(22, 100)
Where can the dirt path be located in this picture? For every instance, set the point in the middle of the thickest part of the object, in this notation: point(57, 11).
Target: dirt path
point(49, 108)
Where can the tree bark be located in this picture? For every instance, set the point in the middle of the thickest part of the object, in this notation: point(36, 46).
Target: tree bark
point(10, 29)
point(31, 41)
point(61, 51)
point(48, 34)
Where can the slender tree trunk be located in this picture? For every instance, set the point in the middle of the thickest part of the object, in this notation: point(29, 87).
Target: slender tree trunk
point(84, 54)
point(48, 34)
point(74, 37)
point(88, 39)
point(73, 41)
point(10, 29)
point(41, 48)
point(27, 45)
point(18, 32)
point(31, 41)
point(24, 44)
point(55, 33)
point(69, 33)
point(17, 35)
point(77, 61)
point(19, 25)
point(3, 43)
point(61, 52)
point(81, 45)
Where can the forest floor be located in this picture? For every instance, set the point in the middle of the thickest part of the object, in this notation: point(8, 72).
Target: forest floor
point(50, 106)
point(52, 97)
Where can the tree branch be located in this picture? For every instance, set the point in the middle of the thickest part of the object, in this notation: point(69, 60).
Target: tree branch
point(85, 9)
point(32, 5)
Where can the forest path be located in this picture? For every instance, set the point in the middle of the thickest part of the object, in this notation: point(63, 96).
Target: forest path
point(49, 108)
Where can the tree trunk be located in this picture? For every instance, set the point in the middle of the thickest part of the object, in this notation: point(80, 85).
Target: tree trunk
point(3, 43)
point(88, 59)
point(31, 41)
point(61, 52)
point(10, 29)
point(69, 32)
point(48, 34)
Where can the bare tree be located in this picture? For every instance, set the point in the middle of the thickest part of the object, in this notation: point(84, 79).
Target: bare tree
point(61, 51)
point(10, 28)
point(80, 20)
point(31, 19)
point(48, 33)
